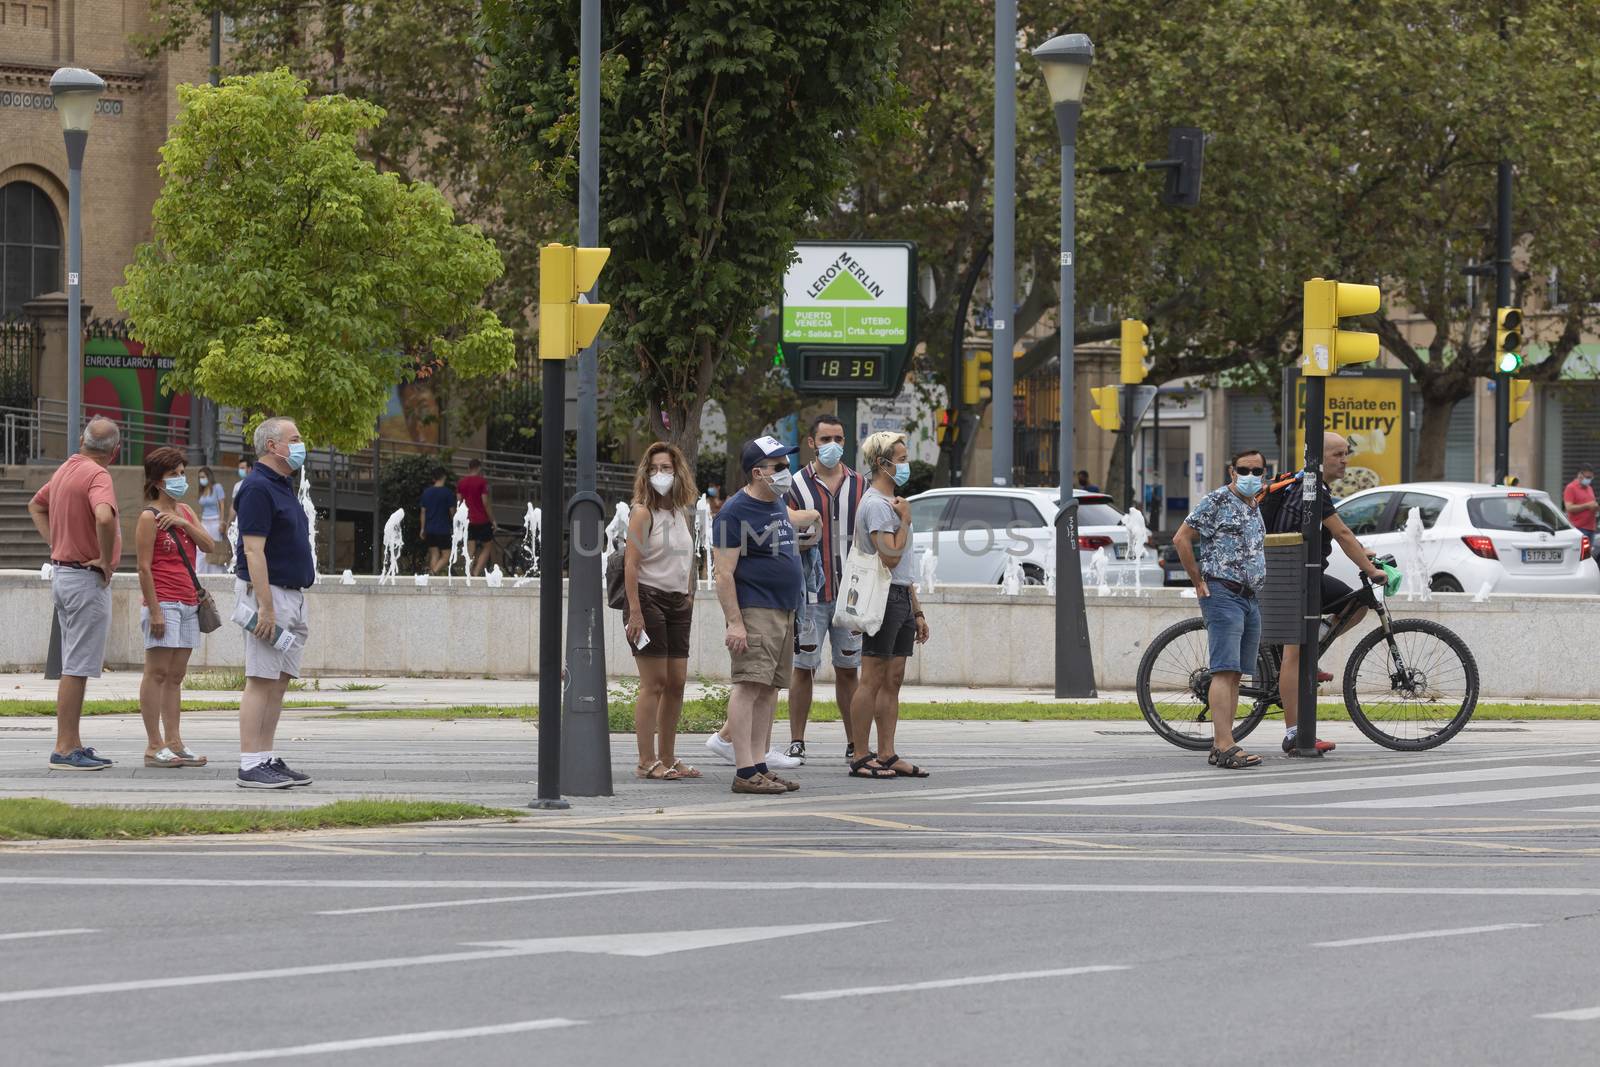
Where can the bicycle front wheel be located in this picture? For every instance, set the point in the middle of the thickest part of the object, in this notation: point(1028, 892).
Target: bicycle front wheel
point(1411, 689)
point(1174, 685)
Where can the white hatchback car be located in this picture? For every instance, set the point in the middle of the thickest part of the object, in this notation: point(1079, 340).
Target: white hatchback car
point(971, 531)
point(1516, 540)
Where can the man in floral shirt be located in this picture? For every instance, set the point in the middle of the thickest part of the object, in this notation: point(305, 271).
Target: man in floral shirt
point(1223, 546)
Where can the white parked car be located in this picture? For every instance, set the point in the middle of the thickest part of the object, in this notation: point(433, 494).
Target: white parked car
point(970, 531)
point(1516, 540)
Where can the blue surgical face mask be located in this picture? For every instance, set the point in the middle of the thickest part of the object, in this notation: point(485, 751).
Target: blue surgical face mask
point(176, 487)
point(830, 454)
point(1248, 484)
point(297, 455)
point(902, 473)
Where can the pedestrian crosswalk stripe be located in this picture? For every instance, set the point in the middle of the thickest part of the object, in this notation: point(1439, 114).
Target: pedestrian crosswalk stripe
point(1456, 800)
point(1303, 786)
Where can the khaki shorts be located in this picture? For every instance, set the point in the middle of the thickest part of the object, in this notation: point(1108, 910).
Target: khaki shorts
point(770, 658)
point(83, 605)
point(261, 658)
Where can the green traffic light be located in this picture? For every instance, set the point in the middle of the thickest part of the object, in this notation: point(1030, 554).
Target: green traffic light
point(1510, 362)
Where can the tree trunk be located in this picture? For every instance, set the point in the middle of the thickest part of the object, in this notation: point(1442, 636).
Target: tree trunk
point(1436, 411)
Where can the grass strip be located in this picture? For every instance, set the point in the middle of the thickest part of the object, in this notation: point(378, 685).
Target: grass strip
point(34, 818)
point(9, 708)
point(700, 719)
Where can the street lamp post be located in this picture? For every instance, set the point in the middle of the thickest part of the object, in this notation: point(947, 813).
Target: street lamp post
point(76, 93)
point(1065, 62)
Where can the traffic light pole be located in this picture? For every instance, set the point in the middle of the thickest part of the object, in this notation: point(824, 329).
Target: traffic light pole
point(1502, 298)
point(1316, 392)
point(1129, 431)
point(586, 738)
point(1005, 219)
point(553, 431)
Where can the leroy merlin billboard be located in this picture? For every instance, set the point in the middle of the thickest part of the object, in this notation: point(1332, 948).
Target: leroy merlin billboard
point(849, 294)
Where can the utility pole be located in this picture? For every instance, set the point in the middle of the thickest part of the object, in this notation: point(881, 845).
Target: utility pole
point(1502, 298)
point(1005, 226)
point(586, 732)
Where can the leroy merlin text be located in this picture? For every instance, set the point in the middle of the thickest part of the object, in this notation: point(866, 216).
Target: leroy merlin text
point(845, 262)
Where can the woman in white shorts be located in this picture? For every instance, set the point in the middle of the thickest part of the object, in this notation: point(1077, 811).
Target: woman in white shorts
point(170, 538)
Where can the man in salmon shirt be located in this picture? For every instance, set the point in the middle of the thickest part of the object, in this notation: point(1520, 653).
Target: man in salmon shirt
point(76, 512)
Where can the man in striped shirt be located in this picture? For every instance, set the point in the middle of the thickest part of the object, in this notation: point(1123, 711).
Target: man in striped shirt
point(833, 490)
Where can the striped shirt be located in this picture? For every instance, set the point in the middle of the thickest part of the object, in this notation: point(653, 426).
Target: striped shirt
point(838, 520)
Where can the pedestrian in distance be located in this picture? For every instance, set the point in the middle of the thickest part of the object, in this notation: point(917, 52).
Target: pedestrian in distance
point(170, 540)
point(473, 490)
point(1083, 483)
point(658, 576)
point(213, 501)
point(438, 501)
point(1223, 546)
point(246, 465)
point(829, 487)
point(1579, 500)
point(273, 570)
point(76, 514)
point(883, 528)
point(1283, 511)
point(759, 586)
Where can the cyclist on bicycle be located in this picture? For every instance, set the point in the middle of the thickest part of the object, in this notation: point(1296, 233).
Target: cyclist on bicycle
point(1282, 507)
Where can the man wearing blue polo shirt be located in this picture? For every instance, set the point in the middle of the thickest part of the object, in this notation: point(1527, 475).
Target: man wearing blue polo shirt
point(275, 555)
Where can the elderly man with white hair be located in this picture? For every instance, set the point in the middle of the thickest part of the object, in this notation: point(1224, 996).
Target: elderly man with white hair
point(76, 512)
point(274, 567)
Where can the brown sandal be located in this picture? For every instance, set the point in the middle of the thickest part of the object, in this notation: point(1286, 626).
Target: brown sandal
point(682, 770)
point(1234, 759)
point(655, 772)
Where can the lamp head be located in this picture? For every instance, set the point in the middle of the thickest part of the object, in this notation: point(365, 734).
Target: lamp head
point(76, 92)
point(1065, 61)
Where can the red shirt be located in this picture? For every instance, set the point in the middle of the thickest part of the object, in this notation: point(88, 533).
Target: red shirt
point(1574, 495)
point(70, 496)
point(472, 489)
point(173, 584)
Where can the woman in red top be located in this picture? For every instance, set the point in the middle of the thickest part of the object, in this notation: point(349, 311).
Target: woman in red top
point(169, 539)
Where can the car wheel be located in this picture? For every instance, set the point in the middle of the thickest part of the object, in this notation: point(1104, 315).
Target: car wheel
point(1444, 583)
point(1032, 575)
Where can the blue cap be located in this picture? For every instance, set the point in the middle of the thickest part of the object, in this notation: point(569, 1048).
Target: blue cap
point(762, 449)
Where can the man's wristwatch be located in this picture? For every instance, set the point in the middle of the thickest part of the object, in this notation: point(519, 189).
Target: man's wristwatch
point(918, 615)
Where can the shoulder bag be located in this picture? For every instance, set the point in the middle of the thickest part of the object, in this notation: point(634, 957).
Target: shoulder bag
point(863, 592)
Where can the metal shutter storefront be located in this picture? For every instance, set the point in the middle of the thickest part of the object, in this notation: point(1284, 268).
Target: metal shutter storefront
point(1250, 425)
point(1580, 426)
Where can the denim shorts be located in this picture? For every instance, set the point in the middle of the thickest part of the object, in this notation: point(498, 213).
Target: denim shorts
point(845, 642)
point(1233, 629)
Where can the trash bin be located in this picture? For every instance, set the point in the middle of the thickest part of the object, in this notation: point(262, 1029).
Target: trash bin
point(1283, 597)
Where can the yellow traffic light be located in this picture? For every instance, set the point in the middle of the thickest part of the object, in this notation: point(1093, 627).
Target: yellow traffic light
point(1508, 340)
point(566, 327)
point(1107, 413)
point(977, 371)
point(1134, 350)
point(1326, 347)
point(1520, 400)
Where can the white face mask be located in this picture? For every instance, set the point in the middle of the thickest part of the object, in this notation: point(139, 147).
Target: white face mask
point(781, 481)
point(661, 483)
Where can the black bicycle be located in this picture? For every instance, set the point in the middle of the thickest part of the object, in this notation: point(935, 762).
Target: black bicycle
point(1410, 684)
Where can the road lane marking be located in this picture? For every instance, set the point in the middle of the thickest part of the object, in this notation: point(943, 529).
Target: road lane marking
point(1577, 1015)
point(482, 900)
point(1456, 800)
point(1386, 938)
point(357, 1043)
point(28, 934)
point(1303, 786)
point(636, 944)
point(949, 983)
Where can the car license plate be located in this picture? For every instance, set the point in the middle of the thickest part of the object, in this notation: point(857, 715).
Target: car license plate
point(1121, 551)
point(1541, 555)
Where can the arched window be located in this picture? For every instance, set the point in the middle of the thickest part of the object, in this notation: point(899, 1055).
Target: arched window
point(30, 246)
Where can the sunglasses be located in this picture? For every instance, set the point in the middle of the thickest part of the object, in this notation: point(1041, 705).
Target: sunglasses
point(1250, 470)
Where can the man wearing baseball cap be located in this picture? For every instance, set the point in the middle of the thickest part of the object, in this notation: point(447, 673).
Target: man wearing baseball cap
point(760, 585)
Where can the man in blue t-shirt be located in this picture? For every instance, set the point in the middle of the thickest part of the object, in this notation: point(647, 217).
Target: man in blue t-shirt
point(760, 586)
point(273, 570)
point(438, 500)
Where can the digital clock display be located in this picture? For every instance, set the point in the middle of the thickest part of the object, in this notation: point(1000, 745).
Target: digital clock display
point(843, 370)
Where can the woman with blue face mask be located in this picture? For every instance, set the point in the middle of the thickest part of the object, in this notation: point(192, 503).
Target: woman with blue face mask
point(170, 539)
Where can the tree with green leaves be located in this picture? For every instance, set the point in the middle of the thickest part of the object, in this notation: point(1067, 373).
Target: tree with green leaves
point(287, 274)
point(723, 133)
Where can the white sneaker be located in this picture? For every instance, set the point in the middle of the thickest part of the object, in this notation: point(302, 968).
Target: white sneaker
point(721, 749)
point(782, 760)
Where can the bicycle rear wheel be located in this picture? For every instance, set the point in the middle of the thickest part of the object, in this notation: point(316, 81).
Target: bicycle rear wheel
point(1173, 683)
point(1415, 695)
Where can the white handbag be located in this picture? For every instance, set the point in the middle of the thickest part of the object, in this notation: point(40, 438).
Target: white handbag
point(863, 593)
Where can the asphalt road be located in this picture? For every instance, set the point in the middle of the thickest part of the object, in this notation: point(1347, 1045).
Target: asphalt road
point(1067, 893)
